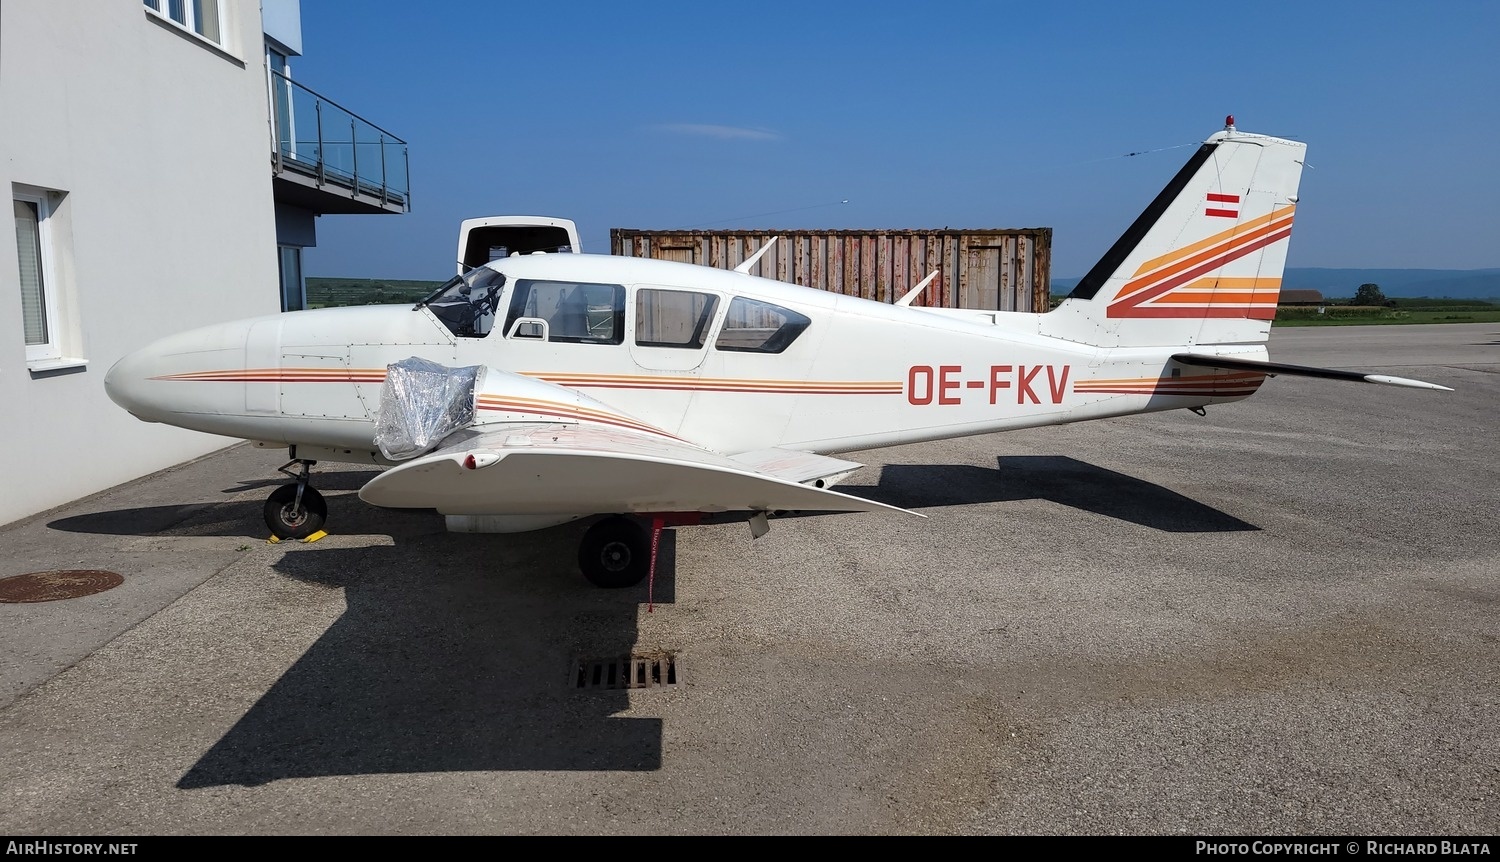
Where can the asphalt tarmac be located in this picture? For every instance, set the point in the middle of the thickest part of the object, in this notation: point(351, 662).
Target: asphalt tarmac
point(1277, 619)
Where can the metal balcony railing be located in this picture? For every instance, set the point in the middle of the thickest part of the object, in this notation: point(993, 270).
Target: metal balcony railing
point(314, 136)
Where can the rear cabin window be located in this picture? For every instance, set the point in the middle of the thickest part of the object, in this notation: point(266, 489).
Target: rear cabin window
point(752, 326)
point(673, 318)
point(578, 312)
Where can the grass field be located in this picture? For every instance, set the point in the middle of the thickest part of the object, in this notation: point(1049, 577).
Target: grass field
point(1394, 317)
point(1406, 310)
point(1390, 316)
point(328, 292)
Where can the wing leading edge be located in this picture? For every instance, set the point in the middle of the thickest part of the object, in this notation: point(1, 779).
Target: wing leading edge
point(1274, 368)
point(584, 469)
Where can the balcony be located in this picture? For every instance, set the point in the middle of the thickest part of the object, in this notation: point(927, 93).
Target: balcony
point(328, 159)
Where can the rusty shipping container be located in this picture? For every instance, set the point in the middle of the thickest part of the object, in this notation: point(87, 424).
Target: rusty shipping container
point(992, 269)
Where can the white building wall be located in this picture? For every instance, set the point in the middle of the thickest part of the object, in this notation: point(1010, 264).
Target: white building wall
point(162, 145)
point(282, 20)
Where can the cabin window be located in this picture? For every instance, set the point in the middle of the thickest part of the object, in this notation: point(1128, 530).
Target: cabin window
point(752, 326)
point(573, 311)
point(673, 318)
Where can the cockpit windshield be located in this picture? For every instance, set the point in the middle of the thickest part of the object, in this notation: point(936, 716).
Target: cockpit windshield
point(466, 304)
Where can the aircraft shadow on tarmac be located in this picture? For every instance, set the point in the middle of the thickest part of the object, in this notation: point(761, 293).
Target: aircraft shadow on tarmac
point(346, 513)
point(456, 652)
point(1063, 480)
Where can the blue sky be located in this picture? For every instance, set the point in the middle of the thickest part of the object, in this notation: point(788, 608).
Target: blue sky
point(919, 115)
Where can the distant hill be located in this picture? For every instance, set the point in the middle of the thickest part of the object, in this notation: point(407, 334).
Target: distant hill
point(325, 292)
point(1332, 283)
point(1436, 283)
point(1335, 283)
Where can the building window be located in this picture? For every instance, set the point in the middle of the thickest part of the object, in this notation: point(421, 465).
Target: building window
point(293, 295)
point(200, 16)
point(38, 292)
point(279, 77)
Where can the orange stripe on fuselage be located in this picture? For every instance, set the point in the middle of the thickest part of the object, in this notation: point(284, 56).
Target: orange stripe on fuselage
point(720, 384)
point(1191, 378)
point(566, 411)
point(273, 375)
point(592, 381)
point(1198, 385)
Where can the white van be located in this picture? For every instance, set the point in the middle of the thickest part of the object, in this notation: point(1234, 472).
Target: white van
point(481, 240)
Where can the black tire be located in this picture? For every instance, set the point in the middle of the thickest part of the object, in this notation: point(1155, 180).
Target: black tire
point(615, 553)
point(287, 523)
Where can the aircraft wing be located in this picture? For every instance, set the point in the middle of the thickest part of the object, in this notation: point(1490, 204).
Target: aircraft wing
point(538, 469)
point(1274, 368)
point(820, 470)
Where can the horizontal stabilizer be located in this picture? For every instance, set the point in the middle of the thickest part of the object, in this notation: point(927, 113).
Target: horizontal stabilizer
point(1274, 368)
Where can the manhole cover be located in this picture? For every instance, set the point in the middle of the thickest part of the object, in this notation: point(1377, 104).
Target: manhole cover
point(51, 586)
point(657, 670)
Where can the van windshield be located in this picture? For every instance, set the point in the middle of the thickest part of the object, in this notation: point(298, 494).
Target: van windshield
point(466, 303)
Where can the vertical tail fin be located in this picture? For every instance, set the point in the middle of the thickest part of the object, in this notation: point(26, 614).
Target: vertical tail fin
point(1203, 264)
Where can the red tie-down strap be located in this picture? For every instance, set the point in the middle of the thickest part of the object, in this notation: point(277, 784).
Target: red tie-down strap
point(660, 521)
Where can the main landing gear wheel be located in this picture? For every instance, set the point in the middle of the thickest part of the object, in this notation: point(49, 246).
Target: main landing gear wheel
point(290, 518)
point(615, 552)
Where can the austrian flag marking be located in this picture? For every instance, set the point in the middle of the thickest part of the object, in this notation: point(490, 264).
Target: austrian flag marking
point(1223, 206)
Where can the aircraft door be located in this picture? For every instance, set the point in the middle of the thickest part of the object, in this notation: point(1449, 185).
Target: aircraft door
point(671, 327)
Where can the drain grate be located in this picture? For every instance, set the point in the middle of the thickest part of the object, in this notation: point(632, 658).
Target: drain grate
point(52, 586)
point(652, 670)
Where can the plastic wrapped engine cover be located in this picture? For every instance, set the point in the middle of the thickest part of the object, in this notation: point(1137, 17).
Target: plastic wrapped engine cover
point(421, 403)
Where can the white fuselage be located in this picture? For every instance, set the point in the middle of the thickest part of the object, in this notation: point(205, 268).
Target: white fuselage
point(861, 375)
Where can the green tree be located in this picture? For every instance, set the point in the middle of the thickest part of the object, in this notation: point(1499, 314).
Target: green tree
point(1368, 294)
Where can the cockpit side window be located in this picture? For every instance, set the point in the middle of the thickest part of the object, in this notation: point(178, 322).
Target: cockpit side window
point(579, 312)
point(673, 318)
point(752, 326)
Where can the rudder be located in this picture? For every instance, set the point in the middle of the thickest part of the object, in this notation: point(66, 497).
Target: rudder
point(1203, 263)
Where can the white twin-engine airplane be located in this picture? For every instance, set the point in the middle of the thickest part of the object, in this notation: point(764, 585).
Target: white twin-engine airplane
point(542, 388)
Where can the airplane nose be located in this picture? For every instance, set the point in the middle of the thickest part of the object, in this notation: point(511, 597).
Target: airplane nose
point(126, 381)
point(152, 382)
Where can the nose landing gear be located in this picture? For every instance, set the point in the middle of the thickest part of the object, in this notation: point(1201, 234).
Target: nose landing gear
point(296, 511)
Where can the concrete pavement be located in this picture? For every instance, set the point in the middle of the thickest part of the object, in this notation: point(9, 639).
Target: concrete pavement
point(1275, 619)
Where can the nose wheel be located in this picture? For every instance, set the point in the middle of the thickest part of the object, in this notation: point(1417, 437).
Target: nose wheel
point(296, 511)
